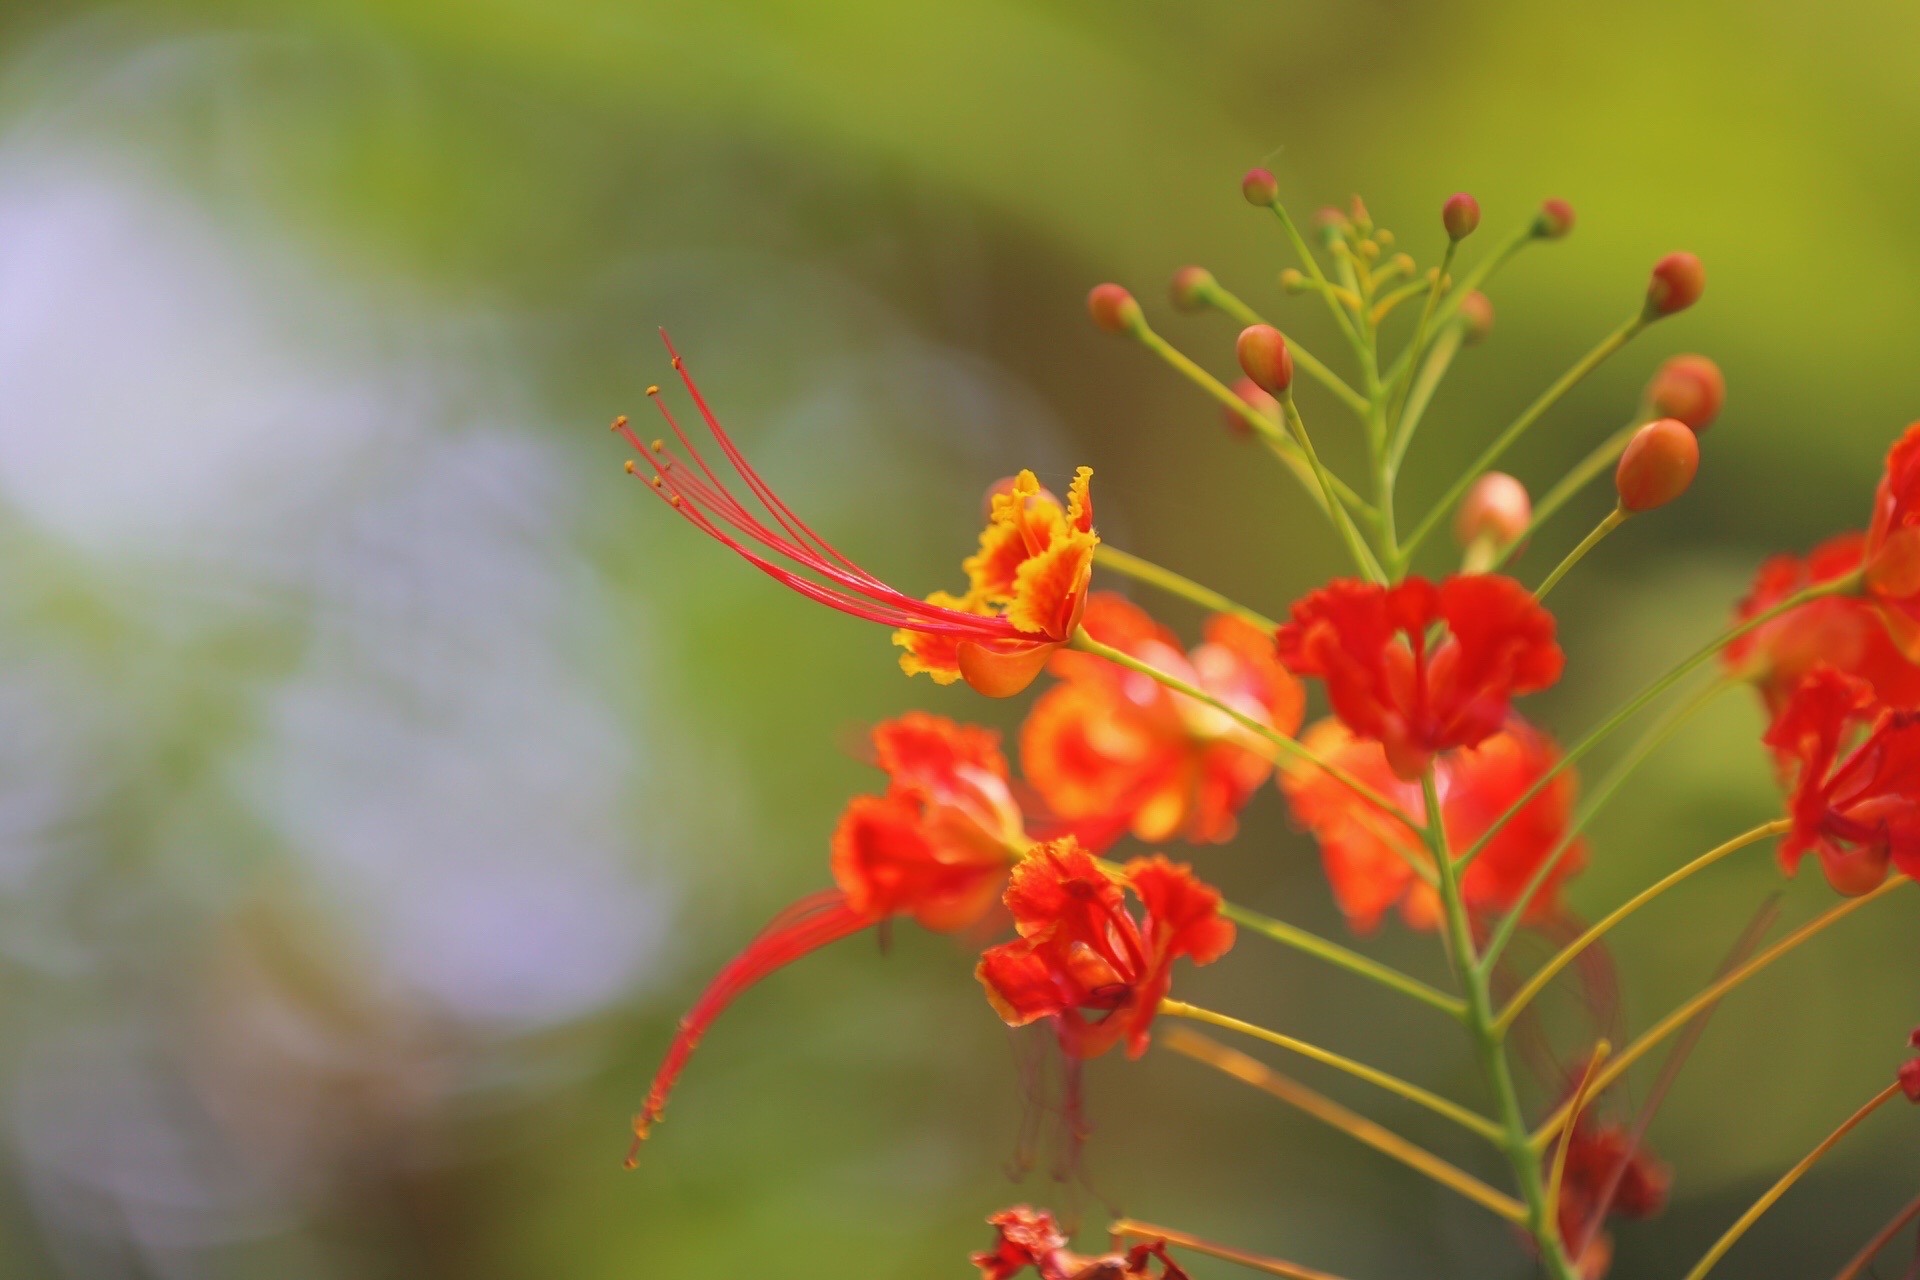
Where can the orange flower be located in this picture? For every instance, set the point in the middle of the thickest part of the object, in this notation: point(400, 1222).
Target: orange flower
point(1031, 570)
point(1082, 959)
point(1370, 644)
point(936, 846)
point(1370, 855)
point(1027, 582)
point(1111, 750)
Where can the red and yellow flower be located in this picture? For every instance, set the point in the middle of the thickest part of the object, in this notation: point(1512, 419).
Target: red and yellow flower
point(1111, 750)
point(1083, 960)
point(1371, 856)
point(1026, 585)
point(1369, 643)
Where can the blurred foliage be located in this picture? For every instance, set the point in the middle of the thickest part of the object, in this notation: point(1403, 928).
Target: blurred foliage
point(870, 226)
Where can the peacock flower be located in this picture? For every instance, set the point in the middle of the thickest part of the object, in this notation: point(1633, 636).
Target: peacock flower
point(1370, 855)
point(1027, 584)
point(1110, 750)
point(1369, 643)
point(936, 846)
point(1856, 810)
point(1083, 960)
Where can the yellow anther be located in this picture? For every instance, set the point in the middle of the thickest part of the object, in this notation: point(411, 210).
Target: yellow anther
point(676, 362)
point(619, 422)
point(674, 498)
point(1385, 238)
point(659, 445)
point(630, 466)
point(653, 389)
point(654, 481)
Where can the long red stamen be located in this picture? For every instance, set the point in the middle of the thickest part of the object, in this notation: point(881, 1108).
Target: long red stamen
point(807, 925)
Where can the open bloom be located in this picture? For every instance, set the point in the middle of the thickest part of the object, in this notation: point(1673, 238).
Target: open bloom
point(1371, 856)
point(1026, 584)
point(1859, 813)
point(936, 846)
point(1843, 632)
point(1892, 551)
point(1111, 750)
point(1026, 1237)
point(1605, 1177)
point(1083, 961)
point(1369, 643)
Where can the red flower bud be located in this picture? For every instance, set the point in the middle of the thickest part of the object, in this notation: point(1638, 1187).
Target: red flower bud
point(1460, 215)
point(1260, 187)
point(1190, 287)
point(1264, 357)
point(1689, 388)
point(1267, 407)
point(1658, 465)
point(1497, 507)
point(1114, 309)
point(1478, 313)
point(1554, 220)
point(1677, 283)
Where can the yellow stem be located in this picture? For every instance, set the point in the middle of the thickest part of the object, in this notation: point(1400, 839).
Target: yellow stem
point(1433, 1102)
point(1787, 1180)
point(1132, 1229)
point(1557, 1176)
point(1258, 1074)
point(1573, 949)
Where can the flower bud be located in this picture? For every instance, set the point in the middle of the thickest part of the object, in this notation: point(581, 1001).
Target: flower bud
point(1477, 311)
point(1260, 187)
point(1262, 403)
point(1658, 465)
point(1114, 309)
point(1190, 287)
point(1264, 357)
point(1677, 283)
point(1460, 215)
point(1496, 508)
point(1554, 220)
point(1689, 388)
point(1293, 280)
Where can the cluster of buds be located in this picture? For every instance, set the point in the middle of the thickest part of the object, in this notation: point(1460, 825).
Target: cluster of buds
point(1424, 786)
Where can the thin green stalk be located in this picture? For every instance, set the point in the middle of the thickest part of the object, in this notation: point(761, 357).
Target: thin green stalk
point(1403, 384)
point(1613, 520)
point(1357, 547)
point(1596, 800)
point(1571, 952)
point(1446, 345)
point(1231, 306)
point(1534, 412)
point(1087, 644)
point(1471, 1121)
point(1490, 1048)
point(1340, 957)
point(1820, 590)
point(1582, 474)
point(1312, 264)
point(1484, 269)
point(1110, 557)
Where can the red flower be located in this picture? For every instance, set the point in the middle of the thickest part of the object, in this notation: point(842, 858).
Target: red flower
point(1083, 961)
point(1369, 855)
point(1111, 750)
point(1027, 1237)
point(1843, 632)
point(1892, 552)
point(1369, 643)
point(1856, 814)
point(1605, 1177)
point(1027, 582)
point(936, 846)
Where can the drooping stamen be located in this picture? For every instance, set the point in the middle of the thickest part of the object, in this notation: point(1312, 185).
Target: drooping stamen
point(807, 925)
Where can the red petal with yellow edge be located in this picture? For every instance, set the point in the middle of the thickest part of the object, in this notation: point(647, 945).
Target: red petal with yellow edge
point(1050, 588)
point(991, 571)
point(1080, 500)
point(932, 653)
point(1000, 671)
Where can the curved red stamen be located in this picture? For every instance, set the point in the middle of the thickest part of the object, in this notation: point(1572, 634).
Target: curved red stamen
point(807, 925)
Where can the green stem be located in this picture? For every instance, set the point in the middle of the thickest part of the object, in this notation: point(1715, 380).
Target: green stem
point(1403, 384)
point(1649, 742)
point(1109, 557)
point(1446, 345)
point(1472, 1121)
point(1484, 269)
point(1534, 412)
point(1356, 545)
point(1490, 1047)
point(1820, 590)
point(1087, 644)
point(1231, 306)
point(1340, 957)
point(1613, 520)
point(1312, 264)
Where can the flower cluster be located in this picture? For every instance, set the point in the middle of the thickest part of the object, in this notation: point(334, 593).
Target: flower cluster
point(1424, 784)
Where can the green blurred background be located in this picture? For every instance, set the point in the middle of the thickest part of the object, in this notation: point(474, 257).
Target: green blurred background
point(383, 775)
